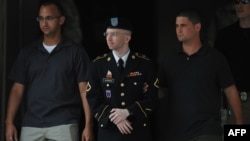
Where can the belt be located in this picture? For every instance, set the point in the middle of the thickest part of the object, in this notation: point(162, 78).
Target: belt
point(244, 96)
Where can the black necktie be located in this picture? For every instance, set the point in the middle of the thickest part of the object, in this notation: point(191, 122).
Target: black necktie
point(120, 67)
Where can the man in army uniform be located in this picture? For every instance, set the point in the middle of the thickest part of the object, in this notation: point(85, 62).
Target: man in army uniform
point(115, 93)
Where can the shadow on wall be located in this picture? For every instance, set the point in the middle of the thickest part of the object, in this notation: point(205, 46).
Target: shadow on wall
point(72, 27)
point(224, 16)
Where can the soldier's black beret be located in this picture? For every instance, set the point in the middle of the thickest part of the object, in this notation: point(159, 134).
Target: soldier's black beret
point(118, 23)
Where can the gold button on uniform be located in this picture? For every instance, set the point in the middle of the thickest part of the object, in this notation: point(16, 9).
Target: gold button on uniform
point(107, 85)
point(108, 59)
point(123, 103)
point(122, 85)
point(122, 94)
point(135, 83)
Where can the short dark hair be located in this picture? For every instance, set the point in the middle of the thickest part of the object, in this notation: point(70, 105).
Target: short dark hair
point(192, 14)
point(57, 3)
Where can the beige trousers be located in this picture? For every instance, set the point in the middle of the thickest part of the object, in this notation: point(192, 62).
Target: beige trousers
point(68, 132)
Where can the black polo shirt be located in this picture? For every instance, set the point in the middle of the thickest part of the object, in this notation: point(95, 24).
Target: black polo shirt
point(51, 81)
point(234, 42)
point(194, 83)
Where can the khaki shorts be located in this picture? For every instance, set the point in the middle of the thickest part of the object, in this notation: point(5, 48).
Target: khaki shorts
point(68, 132)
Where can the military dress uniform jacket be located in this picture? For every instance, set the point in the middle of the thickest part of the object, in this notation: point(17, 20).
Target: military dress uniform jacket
point(109, 89)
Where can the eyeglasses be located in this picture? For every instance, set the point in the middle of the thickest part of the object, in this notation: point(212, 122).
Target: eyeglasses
point(241, 1)
point(48, 18)
point(112, 34)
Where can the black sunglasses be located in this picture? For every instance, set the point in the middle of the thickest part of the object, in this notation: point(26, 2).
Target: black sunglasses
point(241, 1)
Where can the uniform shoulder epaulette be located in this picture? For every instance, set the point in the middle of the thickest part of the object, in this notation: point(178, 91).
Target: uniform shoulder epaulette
point(141, 55)
point(100, 57)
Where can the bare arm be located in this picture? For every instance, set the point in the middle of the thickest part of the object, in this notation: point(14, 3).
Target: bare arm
point(87, 134)
point(234, 102)
point(15, 98)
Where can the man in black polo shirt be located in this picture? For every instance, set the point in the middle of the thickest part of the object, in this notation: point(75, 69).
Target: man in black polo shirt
point(234, 42)
point(51, 74)
point(193, 74)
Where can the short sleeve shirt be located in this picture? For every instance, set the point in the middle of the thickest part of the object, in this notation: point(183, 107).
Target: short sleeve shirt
point(51, 82)
point(194, 84)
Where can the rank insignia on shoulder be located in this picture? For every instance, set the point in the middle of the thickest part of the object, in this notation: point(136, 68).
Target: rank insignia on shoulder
point(156, 83)
point(88, 87)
